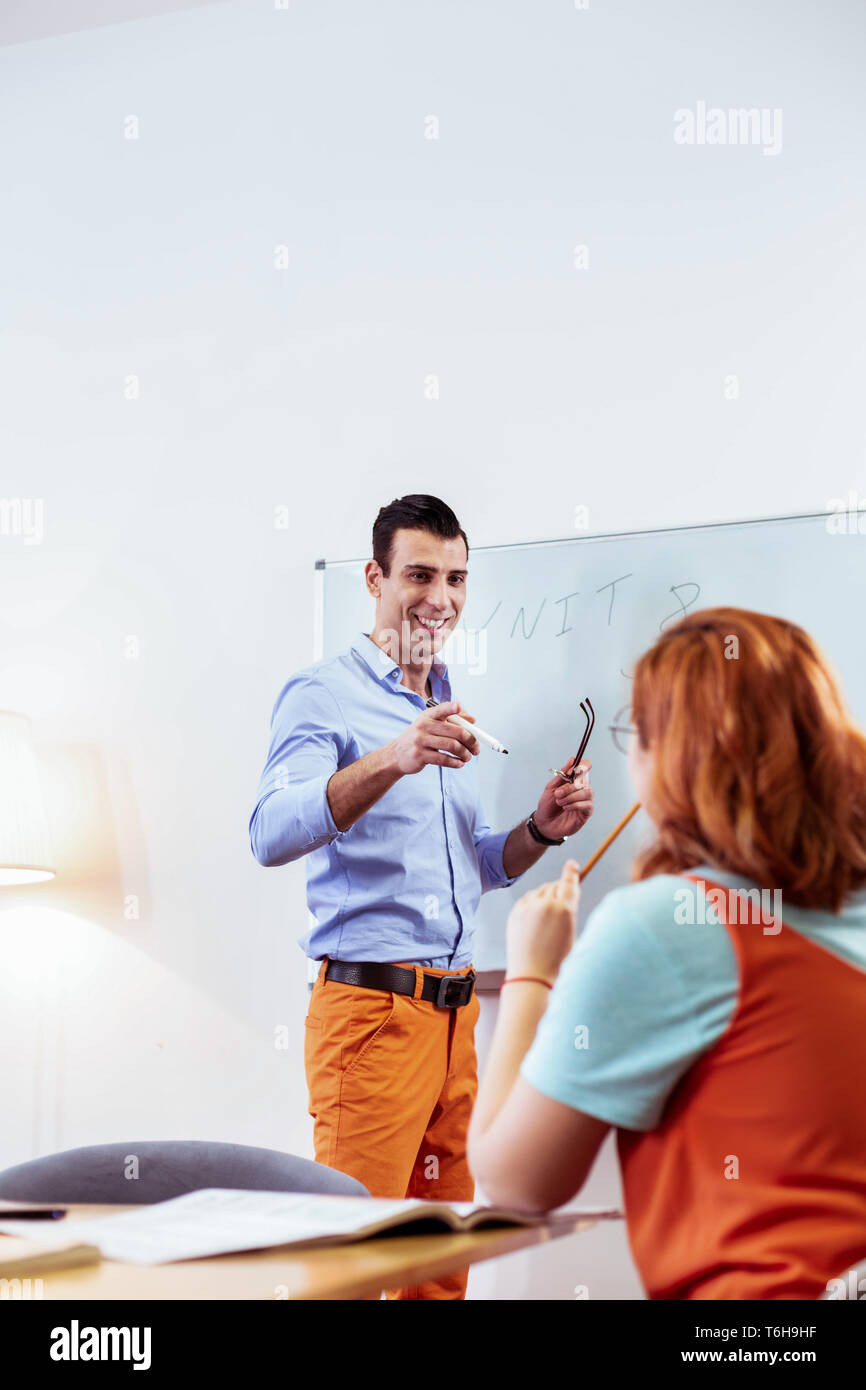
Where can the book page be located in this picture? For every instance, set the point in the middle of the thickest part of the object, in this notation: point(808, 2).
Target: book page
point(567, 1213)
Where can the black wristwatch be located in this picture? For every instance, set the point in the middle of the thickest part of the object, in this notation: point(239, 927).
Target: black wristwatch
point(537, 835)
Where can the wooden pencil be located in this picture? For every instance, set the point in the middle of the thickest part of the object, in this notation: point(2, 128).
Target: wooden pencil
point(609, 841)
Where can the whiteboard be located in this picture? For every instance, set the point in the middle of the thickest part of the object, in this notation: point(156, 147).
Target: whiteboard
point(546, 624)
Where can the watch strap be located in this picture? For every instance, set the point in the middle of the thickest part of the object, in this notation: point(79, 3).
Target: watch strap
point(537, 835)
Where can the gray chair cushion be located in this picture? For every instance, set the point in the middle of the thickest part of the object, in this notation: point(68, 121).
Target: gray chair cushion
point(166, 1168)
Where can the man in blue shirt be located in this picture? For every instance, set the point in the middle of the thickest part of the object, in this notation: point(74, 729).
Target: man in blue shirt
point(380, 794)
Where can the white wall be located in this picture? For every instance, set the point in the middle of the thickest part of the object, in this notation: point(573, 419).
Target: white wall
point(150, 630)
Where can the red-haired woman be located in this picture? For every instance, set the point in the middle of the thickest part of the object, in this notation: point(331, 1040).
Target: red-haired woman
point(713, 1011)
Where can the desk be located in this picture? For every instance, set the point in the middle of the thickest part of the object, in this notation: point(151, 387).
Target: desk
point(357, 1270)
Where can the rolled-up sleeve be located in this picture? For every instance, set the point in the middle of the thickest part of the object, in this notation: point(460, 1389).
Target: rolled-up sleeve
point(308, 740)
point(489, 846)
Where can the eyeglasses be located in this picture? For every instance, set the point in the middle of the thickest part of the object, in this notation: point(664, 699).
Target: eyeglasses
point(622, 730)
point(589, 716)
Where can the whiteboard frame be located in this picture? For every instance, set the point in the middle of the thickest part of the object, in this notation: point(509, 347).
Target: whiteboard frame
point(322, 565)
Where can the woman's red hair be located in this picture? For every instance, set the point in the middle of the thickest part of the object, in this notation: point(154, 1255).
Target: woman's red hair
point(758, 767)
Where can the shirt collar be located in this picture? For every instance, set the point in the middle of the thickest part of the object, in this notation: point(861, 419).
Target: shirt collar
point(385, 668)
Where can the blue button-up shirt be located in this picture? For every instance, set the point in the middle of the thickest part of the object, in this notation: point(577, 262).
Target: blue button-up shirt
point(403, 882)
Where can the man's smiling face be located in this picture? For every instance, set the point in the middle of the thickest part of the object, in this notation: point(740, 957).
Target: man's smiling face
point(425, 589)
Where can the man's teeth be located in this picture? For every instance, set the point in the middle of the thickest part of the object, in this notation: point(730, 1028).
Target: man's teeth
point(433, 624)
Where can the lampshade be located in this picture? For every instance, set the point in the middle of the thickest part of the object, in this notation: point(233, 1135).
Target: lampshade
point(25, 854)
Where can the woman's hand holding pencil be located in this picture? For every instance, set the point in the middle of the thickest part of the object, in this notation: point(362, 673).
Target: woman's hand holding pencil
point(542, 924)
point(541, 927)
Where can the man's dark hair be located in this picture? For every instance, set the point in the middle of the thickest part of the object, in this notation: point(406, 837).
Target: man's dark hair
point(417, 512)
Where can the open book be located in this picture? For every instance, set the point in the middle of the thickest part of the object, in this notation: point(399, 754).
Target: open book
point(23, 1258)
point(29, 1255)
point(215, 1221)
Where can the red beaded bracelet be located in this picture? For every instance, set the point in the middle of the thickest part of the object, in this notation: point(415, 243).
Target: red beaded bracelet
point(534, 979)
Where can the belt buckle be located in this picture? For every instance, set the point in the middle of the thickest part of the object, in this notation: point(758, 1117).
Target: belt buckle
point(462, 984)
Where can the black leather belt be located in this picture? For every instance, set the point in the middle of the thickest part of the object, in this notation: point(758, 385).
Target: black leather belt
point(448, 991)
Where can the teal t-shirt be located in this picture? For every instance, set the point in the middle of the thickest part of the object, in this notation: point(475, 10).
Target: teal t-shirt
point(649, 986)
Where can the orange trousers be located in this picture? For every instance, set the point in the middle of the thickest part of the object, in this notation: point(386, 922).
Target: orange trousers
point(392, 1082)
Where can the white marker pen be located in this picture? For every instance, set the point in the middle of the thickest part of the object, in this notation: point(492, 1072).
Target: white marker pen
point(482, 737)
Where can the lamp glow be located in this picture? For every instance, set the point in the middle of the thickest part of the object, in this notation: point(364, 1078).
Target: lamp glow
point(25, 853)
